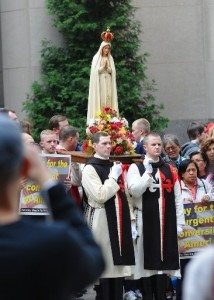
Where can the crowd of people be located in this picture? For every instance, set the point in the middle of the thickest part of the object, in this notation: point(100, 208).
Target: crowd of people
point(134, 214)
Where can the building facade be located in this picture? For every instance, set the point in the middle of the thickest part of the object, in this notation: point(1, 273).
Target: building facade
point(179, 36)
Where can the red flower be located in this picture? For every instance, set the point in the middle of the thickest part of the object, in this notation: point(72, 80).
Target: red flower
point(114, 136)
point(114, 126)
point(119, 124)
point(118, 150)
point(109, 121)
point(93, 129)
point(130, 136)
point(107, 109)
point(85, 146)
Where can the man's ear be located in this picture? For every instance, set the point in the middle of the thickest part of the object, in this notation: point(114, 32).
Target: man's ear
point(41, 144)
point(144, 146)
point(25, 167)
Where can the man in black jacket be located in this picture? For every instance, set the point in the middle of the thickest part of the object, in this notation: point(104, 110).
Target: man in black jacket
point(196, 134)
point(40, 260)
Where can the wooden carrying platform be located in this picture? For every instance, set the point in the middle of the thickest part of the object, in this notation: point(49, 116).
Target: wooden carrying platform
point(82, 158)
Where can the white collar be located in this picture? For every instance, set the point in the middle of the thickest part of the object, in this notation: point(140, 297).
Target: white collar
point(100, 157)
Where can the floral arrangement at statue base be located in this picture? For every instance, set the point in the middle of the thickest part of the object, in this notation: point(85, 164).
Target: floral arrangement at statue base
point(117, 127)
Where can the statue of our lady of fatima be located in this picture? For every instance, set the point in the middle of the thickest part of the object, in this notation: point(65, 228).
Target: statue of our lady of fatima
point(102, 86)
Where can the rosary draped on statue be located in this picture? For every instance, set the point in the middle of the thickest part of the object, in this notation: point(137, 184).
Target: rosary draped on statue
point(102, 86)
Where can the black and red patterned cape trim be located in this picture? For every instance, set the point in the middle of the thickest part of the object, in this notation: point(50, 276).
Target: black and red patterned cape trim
point(118, 217)
point(159, 219)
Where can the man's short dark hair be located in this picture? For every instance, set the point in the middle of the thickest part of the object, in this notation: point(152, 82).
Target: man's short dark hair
point(66, 132)
point(96, 136)
point(11, 150)
point(54, 121)
point(194, 129)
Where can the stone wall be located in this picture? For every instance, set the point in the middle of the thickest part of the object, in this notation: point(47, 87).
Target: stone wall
point(24, 24)
point(179, 36)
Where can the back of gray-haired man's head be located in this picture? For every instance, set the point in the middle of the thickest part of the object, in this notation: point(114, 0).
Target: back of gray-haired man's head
point(143, 124)
point(11, 150)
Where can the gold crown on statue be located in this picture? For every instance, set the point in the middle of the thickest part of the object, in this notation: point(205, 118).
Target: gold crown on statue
point(107, 36)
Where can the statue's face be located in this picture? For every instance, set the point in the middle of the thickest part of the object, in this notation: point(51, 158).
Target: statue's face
point(106, 50)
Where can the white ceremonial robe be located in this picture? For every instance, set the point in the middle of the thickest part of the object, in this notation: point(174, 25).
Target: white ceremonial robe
point(97, 194)
point(137, 185)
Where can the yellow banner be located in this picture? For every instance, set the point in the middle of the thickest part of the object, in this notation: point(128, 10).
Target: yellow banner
point(199, 228)
point(31, 201)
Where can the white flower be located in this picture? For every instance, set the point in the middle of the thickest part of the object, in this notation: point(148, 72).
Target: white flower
point(88, 131)
point(114, 120)
point(91, 122)
point(97, 121)
point(119, 140)
point(125, 122)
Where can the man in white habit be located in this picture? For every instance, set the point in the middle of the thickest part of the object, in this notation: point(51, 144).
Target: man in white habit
point(108, 215)
point(158, 208)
